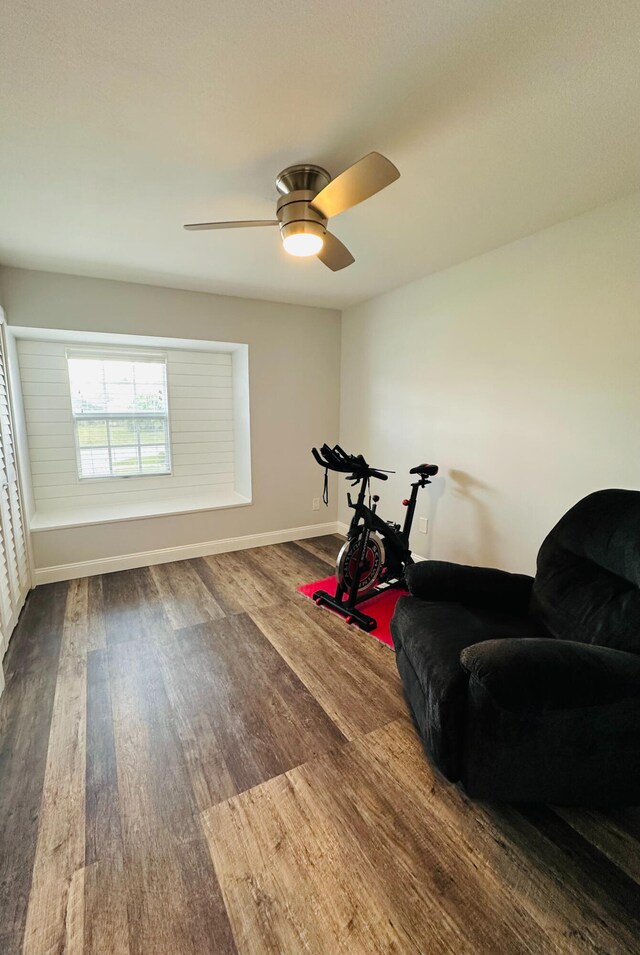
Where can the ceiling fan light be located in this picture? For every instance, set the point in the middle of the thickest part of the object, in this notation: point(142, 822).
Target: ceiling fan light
point(302, 238)
point(302, 244)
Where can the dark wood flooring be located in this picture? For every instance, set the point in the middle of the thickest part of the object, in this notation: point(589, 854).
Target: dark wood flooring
point(194, 759)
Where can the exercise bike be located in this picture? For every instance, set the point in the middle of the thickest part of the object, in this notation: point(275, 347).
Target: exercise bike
point(376, 552)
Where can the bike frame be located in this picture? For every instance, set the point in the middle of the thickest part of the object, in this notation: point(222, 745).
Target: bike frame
point(365, 522)
point(397, 541)
point(397, 553)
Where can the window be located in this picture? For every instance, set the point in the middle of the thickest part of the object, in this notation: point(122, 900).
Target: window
point(120, 412)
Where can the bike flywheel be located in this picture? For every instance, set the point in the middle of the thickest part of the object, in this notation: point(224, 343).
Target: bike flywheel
point(348, 566)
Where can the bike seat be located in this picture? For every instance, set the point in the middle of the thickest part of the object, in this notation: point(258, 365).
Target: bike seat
point(425, 470)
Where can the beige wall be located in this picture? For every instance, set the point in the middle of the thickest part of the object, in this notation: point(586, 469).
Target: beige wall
point(517, 372)
point(294, 359)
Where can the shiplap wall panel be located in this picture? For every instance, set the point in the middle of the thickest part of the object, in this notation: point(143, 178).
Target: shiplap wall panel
point(222, 458)
point(200, 419)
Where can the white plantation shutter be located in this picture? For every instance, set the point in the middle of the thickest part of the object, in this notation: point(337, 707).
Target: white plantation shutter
point(13, 490)
point(14, 569)
point(6, 602)
point(19, 537)
point(7, 474)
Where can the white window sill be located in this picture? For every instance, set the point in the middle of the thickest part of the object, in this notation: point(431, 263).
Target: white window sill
point(80, 516)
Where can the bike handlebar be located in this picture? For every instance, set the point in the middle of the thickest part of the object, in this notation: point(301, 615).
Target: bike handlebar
point(316, 455)
point(337, 459)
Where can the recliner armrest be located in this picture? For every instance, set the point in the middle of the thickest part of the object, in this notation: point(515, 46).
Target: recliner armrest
point(540, 673)
point(474, 586)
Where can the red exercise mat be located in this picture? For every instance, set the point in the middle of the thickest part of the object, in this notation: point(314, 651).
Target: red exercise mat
point(381, 606)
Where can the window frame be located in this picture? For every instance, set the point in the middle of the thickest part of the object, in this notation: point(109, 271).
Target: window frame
point(105, 354)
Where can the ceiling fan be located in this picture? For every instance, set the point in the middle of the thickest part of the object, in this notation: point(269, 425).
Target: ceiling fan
point(309, 197)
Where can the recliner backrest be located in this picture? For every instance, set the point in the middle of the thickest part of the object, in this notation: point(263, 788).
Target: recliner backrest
point(587, 586)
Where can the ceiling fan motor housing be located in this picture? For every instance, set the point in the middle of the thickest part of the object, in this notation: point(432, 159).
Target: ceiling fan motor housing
point(298, 186)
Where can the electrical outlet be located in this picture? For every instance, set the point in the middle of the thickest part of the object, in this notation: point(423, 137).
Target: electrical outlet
point(315, 504)
point(423, 525)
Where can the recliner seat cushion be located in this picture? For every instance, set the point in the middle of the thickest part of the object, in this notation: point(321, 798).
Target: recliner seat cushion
point(587, 587)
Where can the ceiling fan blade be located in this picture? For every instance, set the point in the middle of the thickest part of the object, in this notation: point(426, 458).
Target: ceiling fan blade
point(334, 254)
point(360, 181)
point(246, 224)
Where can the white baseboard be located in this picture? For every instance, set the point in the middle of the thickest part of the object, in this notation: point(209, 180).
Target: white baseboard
point(107, 565)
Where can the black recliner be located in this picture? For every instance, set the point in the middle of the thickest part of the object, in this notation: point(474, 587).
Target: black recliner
point(528, 689)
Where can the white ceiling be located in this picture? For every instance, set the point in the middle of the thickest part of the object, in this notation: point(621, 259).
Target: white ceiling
point(122, 120)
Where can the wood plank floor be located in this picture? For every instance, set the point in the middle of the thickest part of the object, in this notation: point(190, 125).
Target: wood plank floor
point(194, 759)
